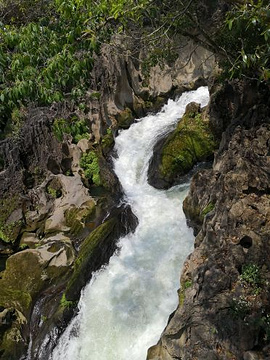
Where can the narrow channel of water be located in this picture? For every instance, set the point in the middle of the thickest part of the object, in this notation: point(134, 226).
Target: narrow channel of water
point(126, 305)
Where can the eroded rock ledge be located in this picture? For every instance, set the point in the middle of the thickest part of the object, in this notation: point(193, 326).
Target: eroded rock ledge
point(224, 308)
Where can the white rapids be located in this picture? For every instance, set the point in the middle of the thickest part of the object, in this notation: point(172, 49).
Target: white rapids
point(125, 307)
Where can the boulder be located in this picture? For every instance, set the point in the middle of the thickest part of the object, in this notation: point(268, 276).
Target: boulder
point(177, 153)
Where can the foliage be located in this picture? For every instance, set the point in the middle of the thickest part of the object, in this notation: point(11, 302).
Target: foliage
point(49, 60)
point(89, 162)
point(251, 275)
point(47, 57)
point(209, 207)
point(187, 284)
point(55, 193)
point(240, 307)
point(66, 304)
point(246, 40)
point(78, 129)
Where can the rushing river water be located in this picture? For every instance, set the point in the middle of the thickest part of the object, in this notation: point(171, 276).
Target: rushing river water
point(125, 307)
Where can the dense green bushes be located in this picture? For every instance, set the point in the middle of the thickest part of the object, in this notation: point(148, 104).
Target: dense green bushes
point(50, 59)
point(245, 39)
point(47, 56)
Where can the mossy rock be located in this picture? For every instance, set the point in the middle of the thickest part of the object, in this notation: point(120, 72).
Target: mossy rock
point(125, 118)
point(11, 219)
point(13, 345)
point(191, 142)
point(77, 217)
point(95, 251)
point(21, 281)
point(54, 188)
point(107, 142)
point(27, 274)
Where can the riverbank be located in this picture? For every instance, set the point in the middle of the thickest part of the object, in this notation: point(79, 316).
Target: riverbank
point(223, 312)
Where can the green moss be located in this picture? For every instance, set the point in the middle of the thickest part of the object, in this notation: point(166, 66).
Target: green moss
point(54, 191)
point(191, 142)
point(125, 118)
point(107, 142)
point(181, 293)
point(181, 297)
point(209, 207)
point(64, 303)
point(187, 284)
point(78, 129)
point(9, 231)
point(76, 217)
point(87, 253)
point(95, 95)
point(89, 162)
point(13, 343)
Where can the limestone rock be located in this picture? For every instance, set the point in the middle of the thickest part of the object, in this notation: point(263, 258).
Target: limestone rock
point(222, 315)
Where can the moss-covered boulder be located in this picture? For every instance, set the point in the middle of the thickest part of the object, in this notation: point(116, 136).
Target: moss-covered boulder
point(97, 249)
point(27, 274)
point(125, 118)
point(11, 218)
point(174, 156)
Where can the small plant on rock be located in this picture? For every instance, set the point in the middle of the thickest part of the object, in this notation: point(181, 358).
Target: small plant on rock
point(89, 163)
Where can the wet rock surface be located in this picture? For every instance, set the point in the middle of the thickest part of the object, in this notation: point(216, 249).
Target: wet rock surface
point(224, 307)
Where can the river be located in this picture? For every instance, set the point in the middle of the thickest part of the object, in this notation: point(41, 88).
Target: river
point(125, 307)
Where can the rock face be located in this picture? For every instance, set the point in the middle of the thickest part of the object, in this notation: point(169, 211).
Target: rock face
point(224, 306)
point(127, 91)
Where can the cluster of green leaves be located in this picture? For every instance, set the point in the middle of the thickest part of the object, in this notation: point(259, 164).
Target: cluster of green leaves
point(78, 129)
point(66, 304)
point(246, 40)
point(49, 59)
point(90, 164)
point(251, 274)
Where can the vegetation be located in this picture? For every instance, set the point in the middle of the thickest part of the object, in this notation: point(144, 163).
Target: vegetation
point(64, 303)
point(251, 275)
point(89, 162)
point(78, 129)
point(251, 301)
point(247, 43)
point(9, 230)
point(209, 207)
point(47, 47)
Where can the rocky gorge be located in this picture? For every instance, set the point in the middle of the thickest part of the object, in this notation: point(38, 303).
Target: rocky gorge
point(62, 207)
point(58, 226)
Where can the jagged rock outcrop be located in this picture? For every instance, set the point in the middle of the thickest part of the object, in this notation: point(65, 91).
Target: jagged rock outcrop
point(127, 91)
point(223, 307)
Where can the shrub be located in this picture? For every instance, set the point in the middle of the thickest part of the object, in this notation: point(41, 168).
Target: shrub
point(90, 164)
point(78, 129)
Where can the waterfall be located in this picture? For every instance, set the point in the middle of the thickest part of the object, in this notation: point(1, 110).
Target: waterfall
point(125, 307)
